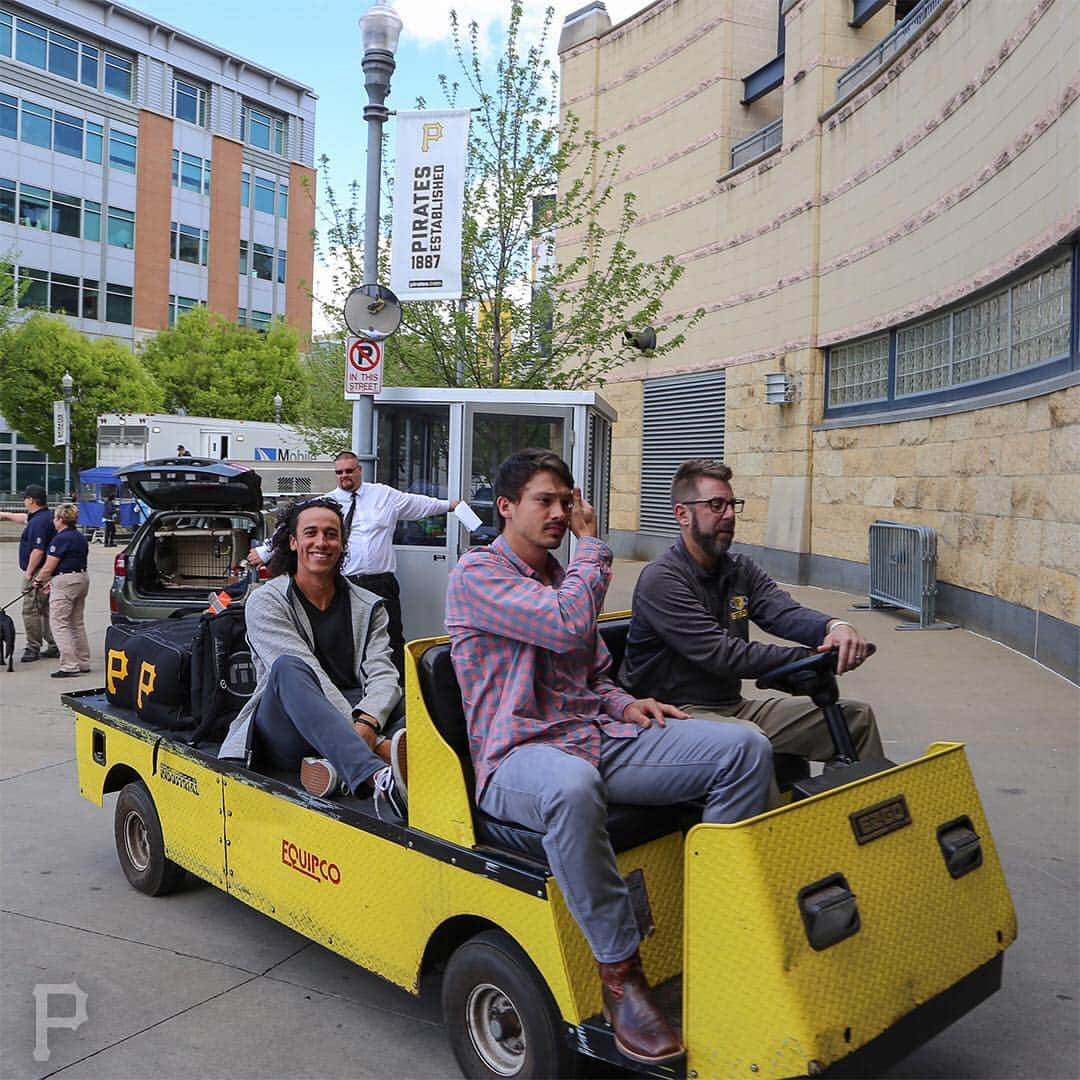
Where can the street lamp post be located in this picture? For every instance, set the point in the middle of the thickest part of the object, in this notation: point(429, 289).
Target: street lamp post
point(277, 408)
point(380, 29)
point(68, 385)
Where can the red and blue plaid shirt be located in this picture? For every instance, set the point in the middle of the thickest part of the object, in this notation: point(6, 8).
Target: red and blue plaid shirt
point(530, 663)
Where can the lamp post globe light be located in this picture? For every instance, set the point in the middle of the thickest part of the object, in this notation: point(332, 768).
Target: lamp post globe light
point(67, 384)
point(277, 408)
point(380, 28)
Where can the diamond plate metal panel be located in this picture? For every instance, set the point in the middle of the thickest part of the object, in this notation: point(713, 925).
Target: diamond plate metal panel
point(123, 745)
point(757, 998)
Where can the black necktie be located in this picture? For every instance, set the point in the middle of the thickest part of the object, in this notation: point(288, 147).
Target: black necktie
point(349, 516)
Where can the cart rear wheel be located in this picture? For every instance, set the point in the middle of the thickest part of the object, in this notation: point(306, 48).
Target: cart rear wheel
point(500, 1015)
point(140, 845)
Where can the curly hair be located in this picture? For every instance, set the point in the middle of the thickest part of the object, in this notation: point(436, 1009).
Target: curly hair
point(282, 557)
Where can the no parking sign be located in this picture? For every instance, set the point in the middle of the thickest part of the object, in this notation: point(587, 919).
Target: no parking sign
point(363, 368)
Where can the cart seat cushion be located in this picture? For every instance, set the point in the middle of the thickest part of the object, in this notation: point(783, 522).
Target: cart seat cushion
point(628, 826)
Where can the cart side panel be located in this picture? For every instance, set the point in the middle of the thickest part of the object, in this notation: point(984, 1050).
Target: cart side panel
point(758, 998)
point(660, 863)
point(102, 746)
point(372, 898)
point(439, 803)
point(188, 797)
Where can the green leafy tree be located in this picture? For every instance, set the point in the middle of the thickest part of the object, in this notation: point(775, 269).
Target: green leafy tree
point(10, 291)
point(108, 378)
point(209, 366)
point(566, 330)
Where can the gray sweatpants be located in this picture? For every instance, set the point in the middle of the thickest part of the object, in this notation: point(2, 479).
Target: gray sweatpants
point(566, 798)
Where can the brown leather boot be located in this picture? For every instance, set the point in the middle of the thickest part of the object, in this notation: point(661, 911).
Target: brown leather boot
point(642, 1032)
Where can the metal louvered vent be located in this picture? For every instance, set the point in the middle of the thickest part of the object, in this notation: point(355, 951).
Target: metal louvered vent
point(683, 418)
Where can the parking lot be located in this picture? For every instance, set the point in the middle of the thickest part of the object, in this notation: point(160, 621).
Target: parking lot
point(199, 985)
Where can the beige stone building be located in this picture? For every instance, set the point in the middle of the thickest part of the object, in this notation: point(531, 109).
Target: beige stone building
point(878, 204)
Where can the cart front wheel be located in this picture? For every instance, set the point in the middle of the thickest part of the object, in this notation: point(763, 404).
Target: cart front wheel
point(140, 845)
point(500, 1015)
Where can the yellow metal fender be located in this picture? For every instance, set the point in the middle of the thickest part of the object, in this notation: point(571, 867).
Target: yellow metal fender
point(757, 998)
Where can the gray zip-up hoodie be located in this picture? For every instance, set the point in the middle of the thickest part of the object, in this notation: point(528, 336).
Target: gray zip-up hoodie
point(277, 625)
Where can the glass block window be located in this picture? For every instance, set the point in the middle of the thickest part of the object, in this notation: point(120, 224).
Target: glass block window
point(1040, 316)
point(924, 357)
point(981, 339)
point(860, 371)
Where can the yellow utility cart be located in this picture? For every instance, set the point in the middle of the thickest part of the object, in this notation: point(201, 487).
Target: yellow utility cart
point(827, 937)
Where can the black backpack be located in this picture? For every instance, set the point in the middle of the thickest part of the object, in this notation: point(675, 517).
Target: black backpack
point(222, 672)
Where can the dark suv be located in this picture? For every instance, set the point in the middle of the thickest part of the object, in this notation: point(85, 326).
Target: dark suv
point(204, 516)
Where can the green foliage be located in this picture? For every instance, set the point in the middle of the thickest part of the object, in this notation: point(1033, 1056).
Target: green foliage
point(10, 292)
point(209, 366)
point(564, 331)
point(33, 358)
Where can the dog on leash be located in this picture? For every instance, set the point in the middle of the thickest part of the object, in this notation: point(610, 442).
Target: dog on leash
point(7, 640)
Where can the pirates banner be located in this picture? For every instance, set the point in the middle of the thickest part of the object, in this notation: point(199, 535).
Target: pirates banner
point(429, 192)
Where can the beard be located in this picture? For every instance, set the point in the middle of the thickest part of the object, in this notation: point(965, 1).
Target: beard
point(712, 544)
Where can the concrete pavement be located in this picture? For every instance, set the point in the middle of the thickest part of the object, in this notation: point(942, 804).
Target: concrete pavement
point(199, 985)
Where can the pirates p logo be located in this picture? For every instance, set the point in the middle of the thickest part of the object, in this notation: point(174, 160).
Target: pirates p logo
point(431, 133)
point(147, 675)
point(116, 669)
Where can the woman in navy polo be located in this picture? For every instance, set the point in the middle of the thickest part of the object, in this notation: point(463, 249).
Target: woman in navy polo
point(64, 576)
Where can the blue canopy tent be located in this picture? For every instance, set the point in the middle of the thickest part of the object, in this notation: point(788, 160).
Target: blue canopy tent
point(92, 498)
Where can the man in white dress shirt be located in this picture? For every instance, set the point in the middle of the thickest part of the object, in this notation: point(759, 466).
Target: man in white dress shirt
point(372, 512)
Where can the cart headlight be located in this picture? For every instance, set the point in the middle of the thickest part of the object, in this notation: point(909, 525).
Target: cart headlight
point(828, 911)
point(960, 847)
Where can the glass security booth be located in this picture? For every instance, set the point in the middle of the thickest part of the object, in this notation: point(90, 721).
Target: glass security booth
point(448, 443)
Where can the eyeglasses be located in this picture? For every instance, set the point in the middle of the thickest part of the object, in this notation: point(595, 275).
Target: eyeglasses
point(719, 506)
point(344, 472)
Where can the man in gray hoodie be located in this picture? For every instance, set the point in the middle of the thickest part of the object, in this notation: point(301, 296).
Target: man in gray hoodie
point(325, 680)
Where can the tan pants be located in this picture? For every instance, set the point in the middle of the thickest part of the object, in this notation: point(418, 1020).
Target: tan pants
point(67, 602)
point(35, 617)
point(797, 726)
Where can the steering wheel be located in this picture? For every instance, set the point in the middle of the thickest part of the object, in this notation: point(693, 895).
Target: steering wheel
point(803, 676)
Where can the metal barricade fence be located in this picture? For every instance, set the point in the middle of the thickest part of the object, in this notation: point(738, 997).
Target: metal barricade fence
point(903, 571)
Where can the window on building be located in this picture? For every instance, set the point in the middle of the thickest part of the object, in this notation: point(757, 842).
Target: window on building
point(1001, 333)
point(36, 125)
point(264, 194)
point(263, 129)
point(121, 151)
point(88, 70)
point(283, 199)
point(5, 33)
point(243, 258)
point(189, 102)
point(9, 116)
point(260, 320)
point(118, 304)
point(91, 220)
point(7, 201)
point(281, 267)
point(63, 56)
point(90, 299)
point(66, 214)
point(117, 77)
point(36, 283)
point(860, 371)
point(35, 211)
point(94, 138)
point(189, 244)
point(245, 189)
point(121, 227)
point(30, 43)
point(262, 262)
point(178, 305)
point(68, 135)
point(64, 294)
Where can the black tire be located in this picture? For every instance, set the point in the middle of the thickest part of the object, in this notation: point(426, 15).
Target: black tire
point(140, 845)
point(500, 1015)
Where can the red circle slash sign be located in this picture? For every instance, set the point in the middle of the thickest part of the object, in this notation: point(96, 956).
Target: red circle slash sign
point(365, 355)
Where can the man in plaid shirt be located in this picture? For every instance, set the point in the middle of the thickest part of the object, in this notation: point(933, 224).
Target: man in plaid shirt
point(552, 737)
